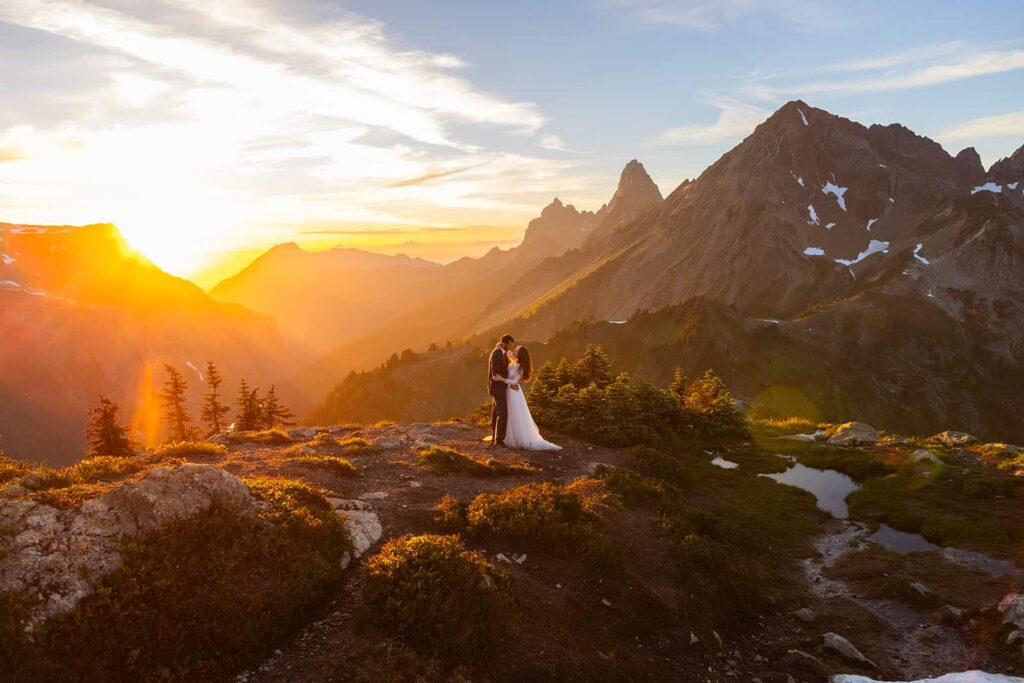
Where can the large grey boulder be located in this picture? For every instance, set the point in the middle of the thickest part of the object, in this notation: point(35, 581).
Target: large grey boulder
point(853, 434)
point(949, 438)
point(56, 556)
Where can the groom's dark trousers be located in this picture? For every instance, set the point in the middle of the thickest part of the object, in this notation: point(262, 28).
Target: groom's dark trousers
point(498, 365)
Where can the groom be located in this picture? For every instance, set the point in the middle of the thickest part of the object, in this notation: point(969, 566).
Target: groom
point(498, 365)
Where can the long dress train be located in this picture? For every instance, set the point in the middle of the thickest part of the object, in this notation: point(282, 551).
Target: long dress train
point(522, 431)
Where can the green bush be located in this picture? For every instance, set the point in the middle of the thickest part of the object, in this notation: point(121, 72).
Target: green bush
point(186, 448)
point(435, 594)
point(70, 497)
point(446, 460)
point(585, 400)
point(269, 437)
point(103, 468)
point(196, 600)
point(561, 518)
point(11, 468)
point(339, 467)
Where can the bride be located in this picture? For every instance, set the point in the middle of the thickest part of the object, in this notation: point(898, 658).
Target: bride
point(522, 431)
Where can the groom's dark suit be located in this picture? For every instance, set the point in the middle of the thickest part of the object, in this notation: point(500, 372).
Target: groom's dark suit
point(498, 365)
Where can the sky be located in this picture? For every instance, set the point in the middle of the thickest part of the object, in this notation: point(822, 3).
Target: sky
point(209, 130)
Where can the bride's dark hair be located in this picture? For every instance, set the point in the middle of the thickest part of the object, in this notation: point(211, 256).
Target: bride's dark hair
point(523, 354)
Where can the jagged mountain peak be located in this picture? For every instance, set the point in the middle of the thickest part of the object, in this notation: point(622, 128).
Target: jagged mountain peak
point(635, 188)
point(1009, 169)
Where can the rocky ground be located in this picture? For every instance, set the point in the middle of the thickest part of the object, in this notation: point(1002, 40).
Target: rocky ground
point(574, 620)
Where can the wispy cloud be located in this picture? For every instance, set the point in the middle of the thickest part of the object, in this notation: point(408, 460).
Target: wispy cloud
point(707, 15)
point(735, 120)
point(987, 127)
point(749, 100)
point(231, 118)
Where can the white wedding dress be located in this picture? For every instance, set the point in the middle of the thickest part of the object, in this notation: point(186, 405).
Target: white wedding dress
point(522, 431)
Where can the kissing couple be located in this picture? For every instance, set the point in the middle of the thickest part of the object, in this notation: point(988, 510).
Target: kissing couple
point(512, 425)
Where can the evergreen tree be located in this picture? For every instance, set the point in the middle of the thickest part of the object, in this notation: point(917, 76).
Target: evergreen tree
point(249, 412)
point(711, 403)
point(173, 398)
point(105, 435)
point(275, 413)
point(679, 383)
point(214, 411)
point(564, 374)
point(594, 366)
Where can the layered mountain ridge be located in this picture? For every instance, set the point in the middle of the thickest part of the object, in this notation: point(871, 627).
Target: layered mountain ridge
point(841, 236)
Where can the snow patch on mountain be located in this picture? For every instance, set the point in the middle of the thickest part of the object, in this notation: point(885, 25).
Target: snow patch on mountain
point(874, 247)
point(1012, 186)
point(813, 214)
point(814, 251)
point(918, 256)
point(829, 226)
point(833, 189)
point(10, 283)
point(8, 260)
point(987, 187)
point(799, 179)
point(803, 117)
point(871, 222)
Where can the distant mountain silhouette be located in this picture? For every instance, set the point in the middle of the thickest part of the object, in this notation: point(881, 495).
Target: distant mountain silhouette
point(83, 314)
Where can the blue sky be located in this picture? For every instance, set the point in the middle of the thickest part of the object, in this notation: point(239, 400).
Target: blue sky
point(440, 128)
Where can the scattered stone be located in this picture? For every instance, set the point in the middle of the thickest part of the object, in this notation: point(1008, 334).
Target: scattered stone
point(1013, 637)
point(374, 495)
point(1012, 609)
point(519, 558)
point(843, 647)
point(921, 589)
point(949, 438)
point(220, 438)
point(389, 442)
point(805, 614)
point(693, 638)
point(13, 491)
point(606, 602)
point(302, 433)
point(502, 557)
point(922, 455)
point(852, 434)
point(415, 484)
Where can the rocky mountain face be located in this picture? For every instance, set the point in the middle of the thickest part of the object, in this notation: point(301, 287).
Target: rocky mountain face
point(886, 271)
point(83, 314)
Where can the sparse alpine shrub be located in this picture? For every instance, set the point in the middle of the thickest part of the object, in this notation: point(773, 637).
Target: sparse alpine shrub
point(269, 437)
point(186, 448)
point(435, 594)
point(339, 467)
point(103, 468)
point(444, 460)
point(562, 518)
point(11, 468)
